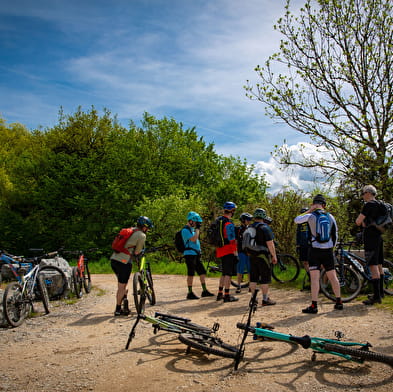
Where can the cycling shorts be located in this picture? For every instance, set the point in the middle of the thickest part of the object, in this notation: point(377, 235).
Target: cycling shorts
point(194, 264)
point(260, 269)
point(321, 257)
point(121, 270)
point(228, 263)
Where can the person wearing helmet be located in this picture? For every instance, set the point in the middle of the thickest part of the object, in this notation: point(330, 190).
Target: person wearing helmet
point(261, 262)
point(303, 242)
point(121, 262)
point(321, 250)
point(243, 265)
point(227, 253)
point(192, 253)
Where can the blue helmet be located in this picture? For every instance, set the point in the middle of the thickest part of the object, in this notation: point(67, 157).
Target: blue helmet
point(229, 206)
point(144, 221)
point(194, 216)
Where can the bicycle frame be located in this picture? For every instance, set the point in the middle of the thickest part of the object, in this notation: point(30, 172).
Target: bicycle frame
point(8, 259)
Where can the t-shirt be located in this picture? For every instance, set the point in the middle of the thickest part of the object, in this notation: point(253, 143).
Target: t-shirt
point(371, 210)
point(187, 233)
point(134, 244)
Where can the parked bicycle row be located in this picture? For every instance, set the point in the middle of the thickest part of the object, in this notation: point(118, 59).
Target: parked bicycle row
point(40, 278)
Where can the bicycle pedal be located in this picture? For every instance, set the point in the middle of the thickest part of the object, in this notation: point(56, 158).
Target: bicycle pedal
point(216, 327)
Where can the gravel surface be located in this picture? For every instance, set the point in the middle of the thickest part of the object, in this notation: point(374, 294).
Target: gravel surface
point(81, 346)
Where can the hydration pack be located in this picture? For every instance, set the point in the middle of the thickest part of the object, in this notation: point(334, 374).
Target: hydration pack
point(250, 241)
point(121, 239)
point(322, 226)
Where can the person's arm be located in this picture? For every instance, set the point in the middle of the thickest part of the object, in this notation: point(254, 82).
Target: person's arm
point(272, 250)
point(360, 220)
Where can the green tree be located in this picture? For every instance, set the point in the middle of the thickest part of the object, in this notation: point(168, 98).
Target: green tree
point(334, 84)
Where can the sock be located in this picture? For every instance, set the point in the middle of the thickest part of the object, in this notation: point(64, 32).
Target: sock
point(204, 287)
point(338, 300)
point(227, 292)
point(220, 290)
point(190, 289)
point(381, 282)
point(376, 287)
point(314, 304)
point(118, 308)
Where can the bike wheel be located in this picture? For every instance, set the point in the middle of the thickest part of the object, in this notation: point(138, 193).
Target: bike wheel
point(43, 292)
point(139, 293)
point(208, 344)
point(363, 355)
point(387, 277)
point(350, 284)
point(77, 282)
point(242, 285)
point(287, 268)
point(150, 294)
point(15, 308)
point(87, 278)
point(55, 281)
point(184, 323)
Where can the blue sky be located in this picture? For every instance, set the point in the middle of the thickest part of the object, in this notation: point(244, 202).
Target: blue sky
point(176, 58)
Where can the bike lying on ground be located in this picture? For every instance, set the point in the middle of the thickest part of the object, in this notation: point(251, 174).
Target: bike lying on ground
point(191, 334)
point(19, 295)
point(352, 351)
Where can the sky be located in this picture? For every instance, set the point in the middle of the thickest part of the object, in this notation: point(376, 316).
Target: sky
point(181, 59)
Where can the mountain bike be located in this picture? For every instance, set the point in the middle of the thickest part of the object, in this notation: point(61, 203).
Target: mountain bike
point(354, 274)
point(191, 334)
point(352, 351)
point(19, 295)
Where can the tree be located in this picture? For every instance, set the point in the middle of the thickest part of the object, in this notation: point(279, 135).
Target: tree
point(336, 87)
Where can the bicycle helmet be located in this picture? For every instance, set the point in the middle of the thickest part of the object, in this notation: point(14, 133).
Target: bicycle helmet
point(144, 221)
point(245, 216)
point(194, 216)
point(304, 209)
point(229, 206)
point(319, 199)
point(260, 213)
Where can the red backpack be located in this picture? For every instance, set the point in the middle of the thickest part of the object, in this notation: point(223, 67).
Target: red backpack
point(121, 239)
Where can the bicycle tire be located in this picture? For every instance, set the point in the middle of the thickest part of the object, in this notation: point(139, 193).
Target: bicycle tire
point(63, 283)
point(139, 292)
point(150, 293)
point(15, 308)
point(87, 278)
point(350, 284)
point(77, 282)
point(242, 285)
point(209, 344)
point(364, 355)
point(43, 292)
point(388, 277)
point(186, 325)
point(287, 268)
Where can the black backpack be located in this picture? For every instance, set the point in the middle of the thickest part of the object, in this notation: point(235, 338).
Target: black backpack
point(215, 232)
point(385, 220)
point(179, 243)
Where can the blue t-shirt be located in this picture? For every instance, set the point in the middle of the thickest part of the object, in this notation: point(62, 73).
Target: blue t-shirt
point(188, 232)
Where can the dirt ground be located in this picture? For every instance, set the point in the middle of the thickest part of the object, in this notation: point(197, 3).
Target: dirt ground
point(81, 346)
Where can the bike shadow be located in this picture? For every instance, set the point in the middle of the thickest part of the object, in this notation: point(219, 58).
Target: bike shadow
point(91, 319)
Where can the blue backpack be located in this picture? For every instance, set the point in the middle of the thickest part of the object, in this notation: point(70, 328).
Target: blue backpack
point(322, 226)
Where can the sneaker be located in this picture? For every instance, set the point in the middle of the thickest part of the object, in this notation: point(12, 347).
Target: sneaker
point(121, 312)
point(238, 290)
point(220, 296)
point(339, 306)
point(207, 293)
point(372, 301)
point(268, 302)
point(230, 298)
point(192, 296)
point(310, 309)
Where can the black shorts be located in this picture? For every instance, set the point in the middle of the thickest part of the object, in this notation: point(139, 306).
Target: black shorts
point(319, 257)
point(260, 269)
point(374, 256)
point(194, 264)
point(302, 251)
point(121, 270)
point(228, 263)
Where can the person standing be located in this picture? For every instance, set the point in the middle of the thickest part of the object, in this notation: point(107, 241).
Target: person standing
point(373, 242)
point(121, 262)
point(192, 253)
point(243, 265)
point(227, 252)
point(321, 251)
point(261, 262)
point(303, 243)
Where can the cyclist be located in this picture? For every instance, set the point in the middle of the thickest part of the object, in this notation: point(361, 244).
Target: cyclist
point(243, 265)
point(321, 253)
point(227, 253)
point(303, 242)
point(121, 262)
point(192, 254)
point(373, 241)
point(261, 262)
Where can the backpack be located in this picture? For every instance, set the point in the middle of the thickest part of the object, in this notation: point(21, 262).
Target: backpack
point(179, 243)
point(385, 220)
point(215, 232)
point(121, 239)
point(250, 241)
point(322, 226)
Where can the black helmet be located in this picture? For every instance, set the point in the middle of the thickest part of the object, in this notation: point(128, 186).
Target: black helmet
point(319, 199)
point(144, 221)
point(245, 216)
